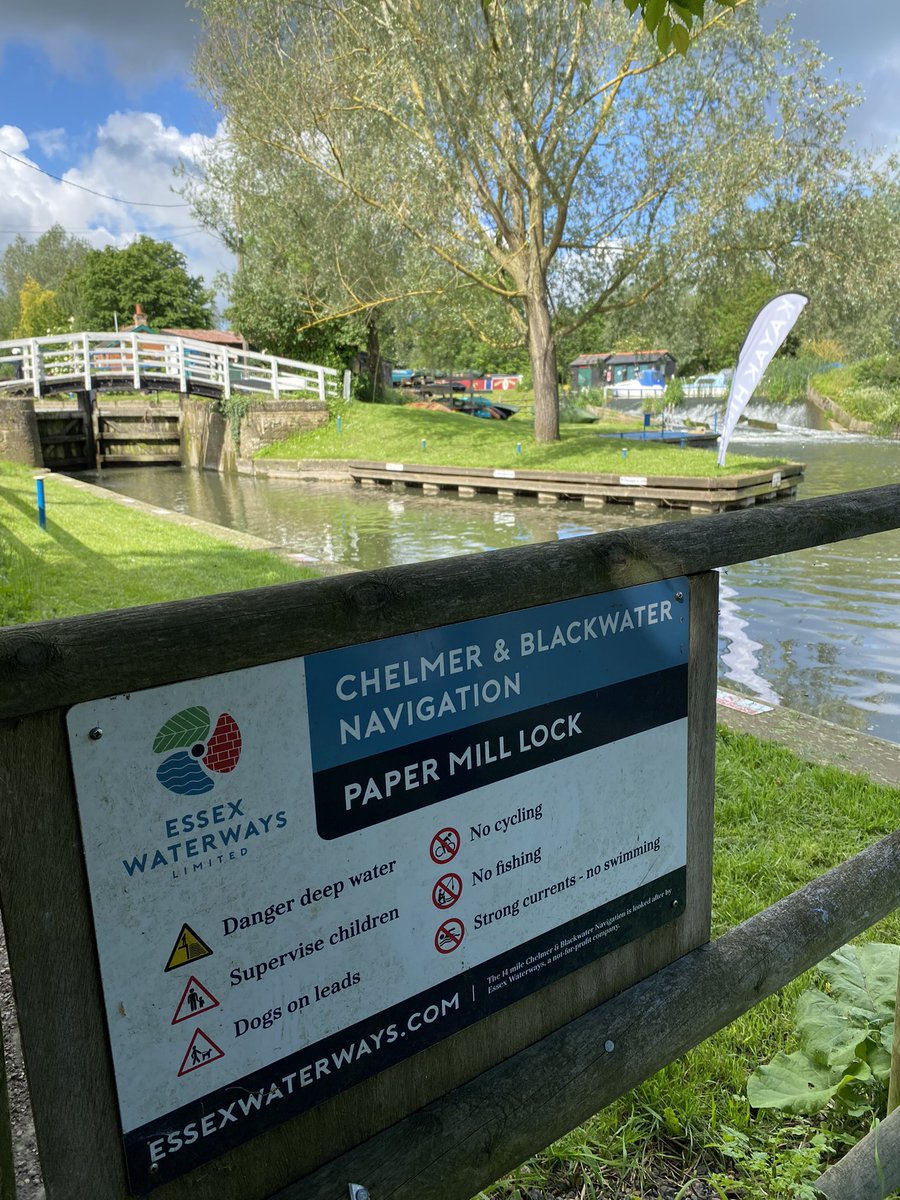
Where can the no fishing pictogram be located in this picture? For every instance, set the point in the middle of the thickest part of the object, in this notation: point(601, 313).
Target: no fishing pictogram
point(449, 936)
point(444, 845)
point(447, 890)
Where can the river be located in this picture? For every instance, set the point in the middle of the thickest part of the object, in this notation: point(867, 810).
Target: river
point(817, 630)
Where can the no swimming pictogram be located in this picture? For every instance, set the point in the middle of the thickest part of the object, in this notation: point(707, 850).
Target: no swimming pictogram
point(449, 935)
point(200, 1053)
point(447, 890)
point(189, 946)
point(444, 845)
point(195, 999)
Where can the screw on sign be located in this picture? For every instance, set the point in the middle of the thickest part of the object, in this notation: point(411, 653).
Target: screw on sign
point(444, 845)
point(449, 936)
point(447, 890)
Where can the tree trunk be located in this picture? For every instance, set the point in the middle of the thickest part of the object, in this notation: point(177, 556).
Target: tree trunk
point(542, 352)
point(373, 355)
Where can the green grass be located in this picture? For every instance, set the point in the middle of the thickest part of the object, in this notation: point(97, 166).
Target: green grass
point(96, 554)
point(779, 823)
point(390, 433)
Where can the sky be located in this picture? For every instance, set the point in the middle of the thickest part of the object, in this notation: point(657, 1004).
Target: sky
point(100, 94)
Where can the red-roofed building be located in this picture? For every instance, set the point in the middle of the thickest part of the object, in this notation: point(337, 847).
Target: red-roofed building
point(215, 337)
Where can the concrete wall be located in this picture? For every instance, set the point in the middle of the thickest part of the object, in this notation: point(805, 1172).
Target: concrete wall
point(276, 420)
point(842, 419)
point(19, 440)
point(206, 435)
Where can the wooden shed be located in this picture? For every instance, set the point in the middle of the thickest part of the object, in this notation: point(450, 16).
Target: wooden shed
point(600, 370)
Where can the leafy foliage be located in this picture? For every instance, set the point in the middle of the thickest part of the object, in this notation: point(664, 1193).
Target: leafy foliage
point(867, 390)
point(671, 21)
point(40, 312)
point(51, 261)
point(111, 282)
point(845, 1038)
point(234, 408)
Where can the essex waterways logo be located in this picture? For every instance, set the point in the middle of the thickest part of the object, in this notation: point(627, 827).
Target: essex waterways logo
point(187, 772)
point(196, 839)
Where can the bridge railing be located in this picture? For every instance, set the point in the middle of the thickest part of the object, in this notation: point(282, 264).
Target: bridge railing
point(86, 360)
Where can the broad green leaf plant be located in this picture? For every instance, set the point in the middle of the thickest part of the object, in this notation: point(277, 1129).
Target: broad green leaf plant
point(671, 21)
point(845, 1035)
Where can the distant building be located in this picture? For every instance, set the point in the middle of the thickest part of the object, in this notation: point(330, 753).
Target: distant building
point(215, 337)
point(602, 370)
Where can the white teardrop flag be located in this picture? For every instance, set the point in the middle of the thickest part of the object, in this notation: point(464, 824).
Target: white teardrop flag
point(773, 323)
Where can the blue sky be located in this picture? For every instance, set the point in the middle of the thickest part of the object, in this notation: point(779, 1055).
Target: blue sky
point(100, 93)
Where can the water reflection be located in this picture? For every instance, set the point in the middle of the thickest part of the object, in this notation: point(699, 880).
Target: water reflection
point(817, 628)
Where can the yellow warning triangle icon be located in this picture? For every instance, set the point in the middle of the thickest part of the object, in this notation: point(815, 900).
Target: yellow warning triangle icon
point(189, 946)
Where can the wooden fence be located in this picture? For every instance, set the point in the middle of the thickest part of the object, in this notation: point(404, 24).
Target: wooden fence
point(455, 1116)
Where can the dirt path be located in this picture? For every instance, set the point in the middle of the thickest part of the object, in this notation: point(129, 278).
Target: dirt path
point(29, 1181)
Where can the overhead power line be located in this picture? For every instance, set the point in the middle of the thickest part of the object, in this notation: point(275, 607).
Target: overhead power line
point(169, 229)
point(103, 195)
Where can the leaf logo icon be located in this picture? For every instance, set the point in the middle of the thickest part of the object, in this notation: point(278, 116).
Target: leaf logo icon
point(187, 772)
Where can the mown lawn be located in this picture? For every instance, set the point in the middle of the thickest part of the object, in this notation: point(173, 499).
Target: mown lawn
point(394, 433)
point(96, 554)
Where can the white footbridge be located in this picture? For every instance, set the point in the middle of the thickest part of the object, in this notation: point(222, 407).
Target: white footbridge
point(162, 362)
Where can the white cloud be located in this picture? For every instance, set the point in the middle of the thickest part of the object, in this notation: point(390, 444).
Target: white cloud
point(133, 157)
point(51, 141)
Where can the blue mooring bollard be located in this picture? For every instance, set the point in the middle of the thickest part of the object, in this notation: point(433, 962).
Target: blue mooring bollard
point(519, 449)
point(624, 453)
point(339, 424)
point(42, 507)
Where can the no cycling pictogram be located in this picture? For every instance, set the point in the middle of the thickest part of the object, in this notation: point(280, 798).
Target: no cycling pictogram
point(449, 936)
point(444, 845)
point(447, 890)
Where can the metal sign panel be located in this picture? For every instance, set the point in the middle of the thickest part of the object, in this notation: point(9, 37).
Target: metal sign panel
point(306, 871)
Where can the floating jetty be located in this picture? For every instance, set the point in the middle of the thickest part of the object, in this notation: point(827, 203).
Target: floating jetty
point(698, 493)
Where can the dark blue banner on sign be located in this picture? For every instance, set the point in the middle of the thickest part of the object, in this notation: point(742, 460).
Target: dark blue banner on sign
point(382, 695)
point(360, 794)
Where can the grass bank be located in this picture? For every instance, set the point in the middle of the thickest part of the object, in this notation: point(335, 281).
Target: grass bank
point(384, 433)
point(868, 390)
point(96, 554)
point(780, 822)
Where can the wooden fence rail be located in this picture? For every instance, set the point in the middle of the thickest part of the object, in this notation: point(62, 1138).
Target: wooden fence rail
point(63, 662)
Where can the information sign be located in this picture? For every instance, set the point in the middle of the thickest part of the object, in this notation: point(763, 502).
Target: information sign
point(306, 871)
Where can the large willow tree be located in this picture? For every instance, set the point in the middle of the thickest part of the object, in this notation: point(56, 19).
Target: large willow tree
point(546, 150)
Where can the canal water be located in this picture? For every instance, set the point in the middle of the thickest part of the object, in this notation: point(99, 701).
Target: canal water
point(817, 630)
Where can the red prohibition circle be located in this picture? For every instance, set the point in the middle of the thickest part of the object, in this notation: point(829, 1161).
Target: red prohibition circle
point(444, 845)
point(449, 936)
point(447, 890)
